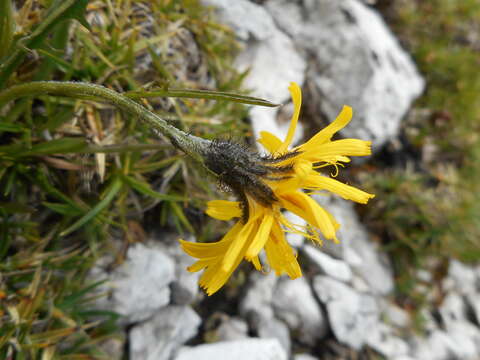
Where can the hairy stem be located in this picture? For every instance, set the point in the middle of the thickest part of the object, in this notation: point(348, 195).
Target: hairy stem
point(191, 145)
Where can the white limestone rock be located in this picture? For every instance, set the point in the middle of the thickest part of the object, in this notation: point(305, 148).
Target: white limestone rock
point(453, 308)
point(355, 61)
point(256, 307)
point(466, 336)
point(349, 312)
point(184, 288)
point(396, 316)
point(383, 340)
point(327, 265)
point(461, 278)
point(251, 349)
point(437, 346)
point(461, 341)
point(294, 303)
point(232, 329)
point(159, 337)
point(257, 302)
point(294, 239)
point(139, 287)
point(273, 328)
point(270, 56)
point(356, 248)
point(473, 301)
point(304, 357)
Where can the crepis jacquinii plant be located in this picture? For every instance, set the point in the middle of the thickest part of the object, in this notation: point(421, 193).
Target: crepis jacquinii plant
point(264, 185)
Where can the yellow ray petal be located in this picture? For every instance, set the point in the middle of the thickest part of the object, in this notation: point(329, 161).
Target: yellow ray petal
point(238, 247)
point(201, 264)
point(280, 255)
point(296, 94)
point(302, 168)
point(319, 182)
point(307, 208)
point(256, 263)
point(208, 250)
point(214, 277)
point(223, 209)
point(261, 236)
point(330, 150)
point(326, 134)
point(270, 142)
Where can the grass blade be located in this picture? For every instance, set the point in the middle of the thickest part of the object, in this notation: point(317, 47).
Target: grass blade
point(110, 194)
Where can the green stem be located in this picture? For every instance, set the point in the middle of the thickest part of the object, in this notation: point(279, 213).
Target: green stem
point(191, 145)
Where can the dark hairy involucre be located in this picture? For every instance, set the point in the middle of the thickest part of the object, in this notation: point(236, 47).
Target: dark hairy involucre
point(244, 171)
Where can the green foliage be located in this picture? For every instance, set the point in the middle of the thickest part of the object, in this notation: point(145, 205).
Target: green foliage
point(432, 212)
point(7, 26)
point(60, 11)
point(76, 173)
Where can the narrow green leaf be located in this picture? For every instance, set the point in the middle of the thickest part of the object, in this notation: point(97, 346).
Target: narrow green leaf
point(181, 216)
point(73, 299)
point(113, 189)
point(145, 189)
point(64, 209)
point(13, 128)
point(58, 146)
point(5, 236)
point(42, 180)
point(59, 61)
point(15, 207)
point(201, 94)
point(7, 26)
point(51, 336)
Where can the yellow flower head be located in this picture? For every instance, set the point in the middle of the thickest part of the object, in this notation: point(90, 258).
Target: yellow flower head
point(266, 185)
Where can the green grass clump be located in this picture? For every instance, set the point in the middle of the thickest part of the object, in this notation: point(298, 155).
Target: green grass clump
point(76, 173)
point(428, 212)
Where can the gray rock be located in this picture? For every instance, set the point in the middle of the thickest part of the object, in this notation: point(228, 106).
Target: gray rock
point(437, 346)
point(383, 340)
point(268, 53)
point(159, 337)
point(113, 347)
point(140, 286)
point(461, 341)
point(473, 301)
point(466, 338)
point(327, 265)
point(232, 329)
point(396, 316)
point(349, 313)
point(184, 288)
point(461, 278)
point(294, 303)
point(304, 357)
point(356, 248)
point(359, 284)
point(252, 349)
point(424, 275)
point(355, 61)
point(453, 308)
point(295, 240)
point(275, 329)
point(429, 323)
point(256, 307)
point(257, 302)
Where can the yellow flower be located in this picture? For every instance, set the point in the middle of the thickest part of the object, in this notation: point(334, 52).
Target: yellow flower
point(266, 186)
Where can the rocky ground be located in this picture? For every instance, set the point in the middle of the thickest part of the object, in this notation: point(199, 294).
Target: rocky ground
point(340, 52)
